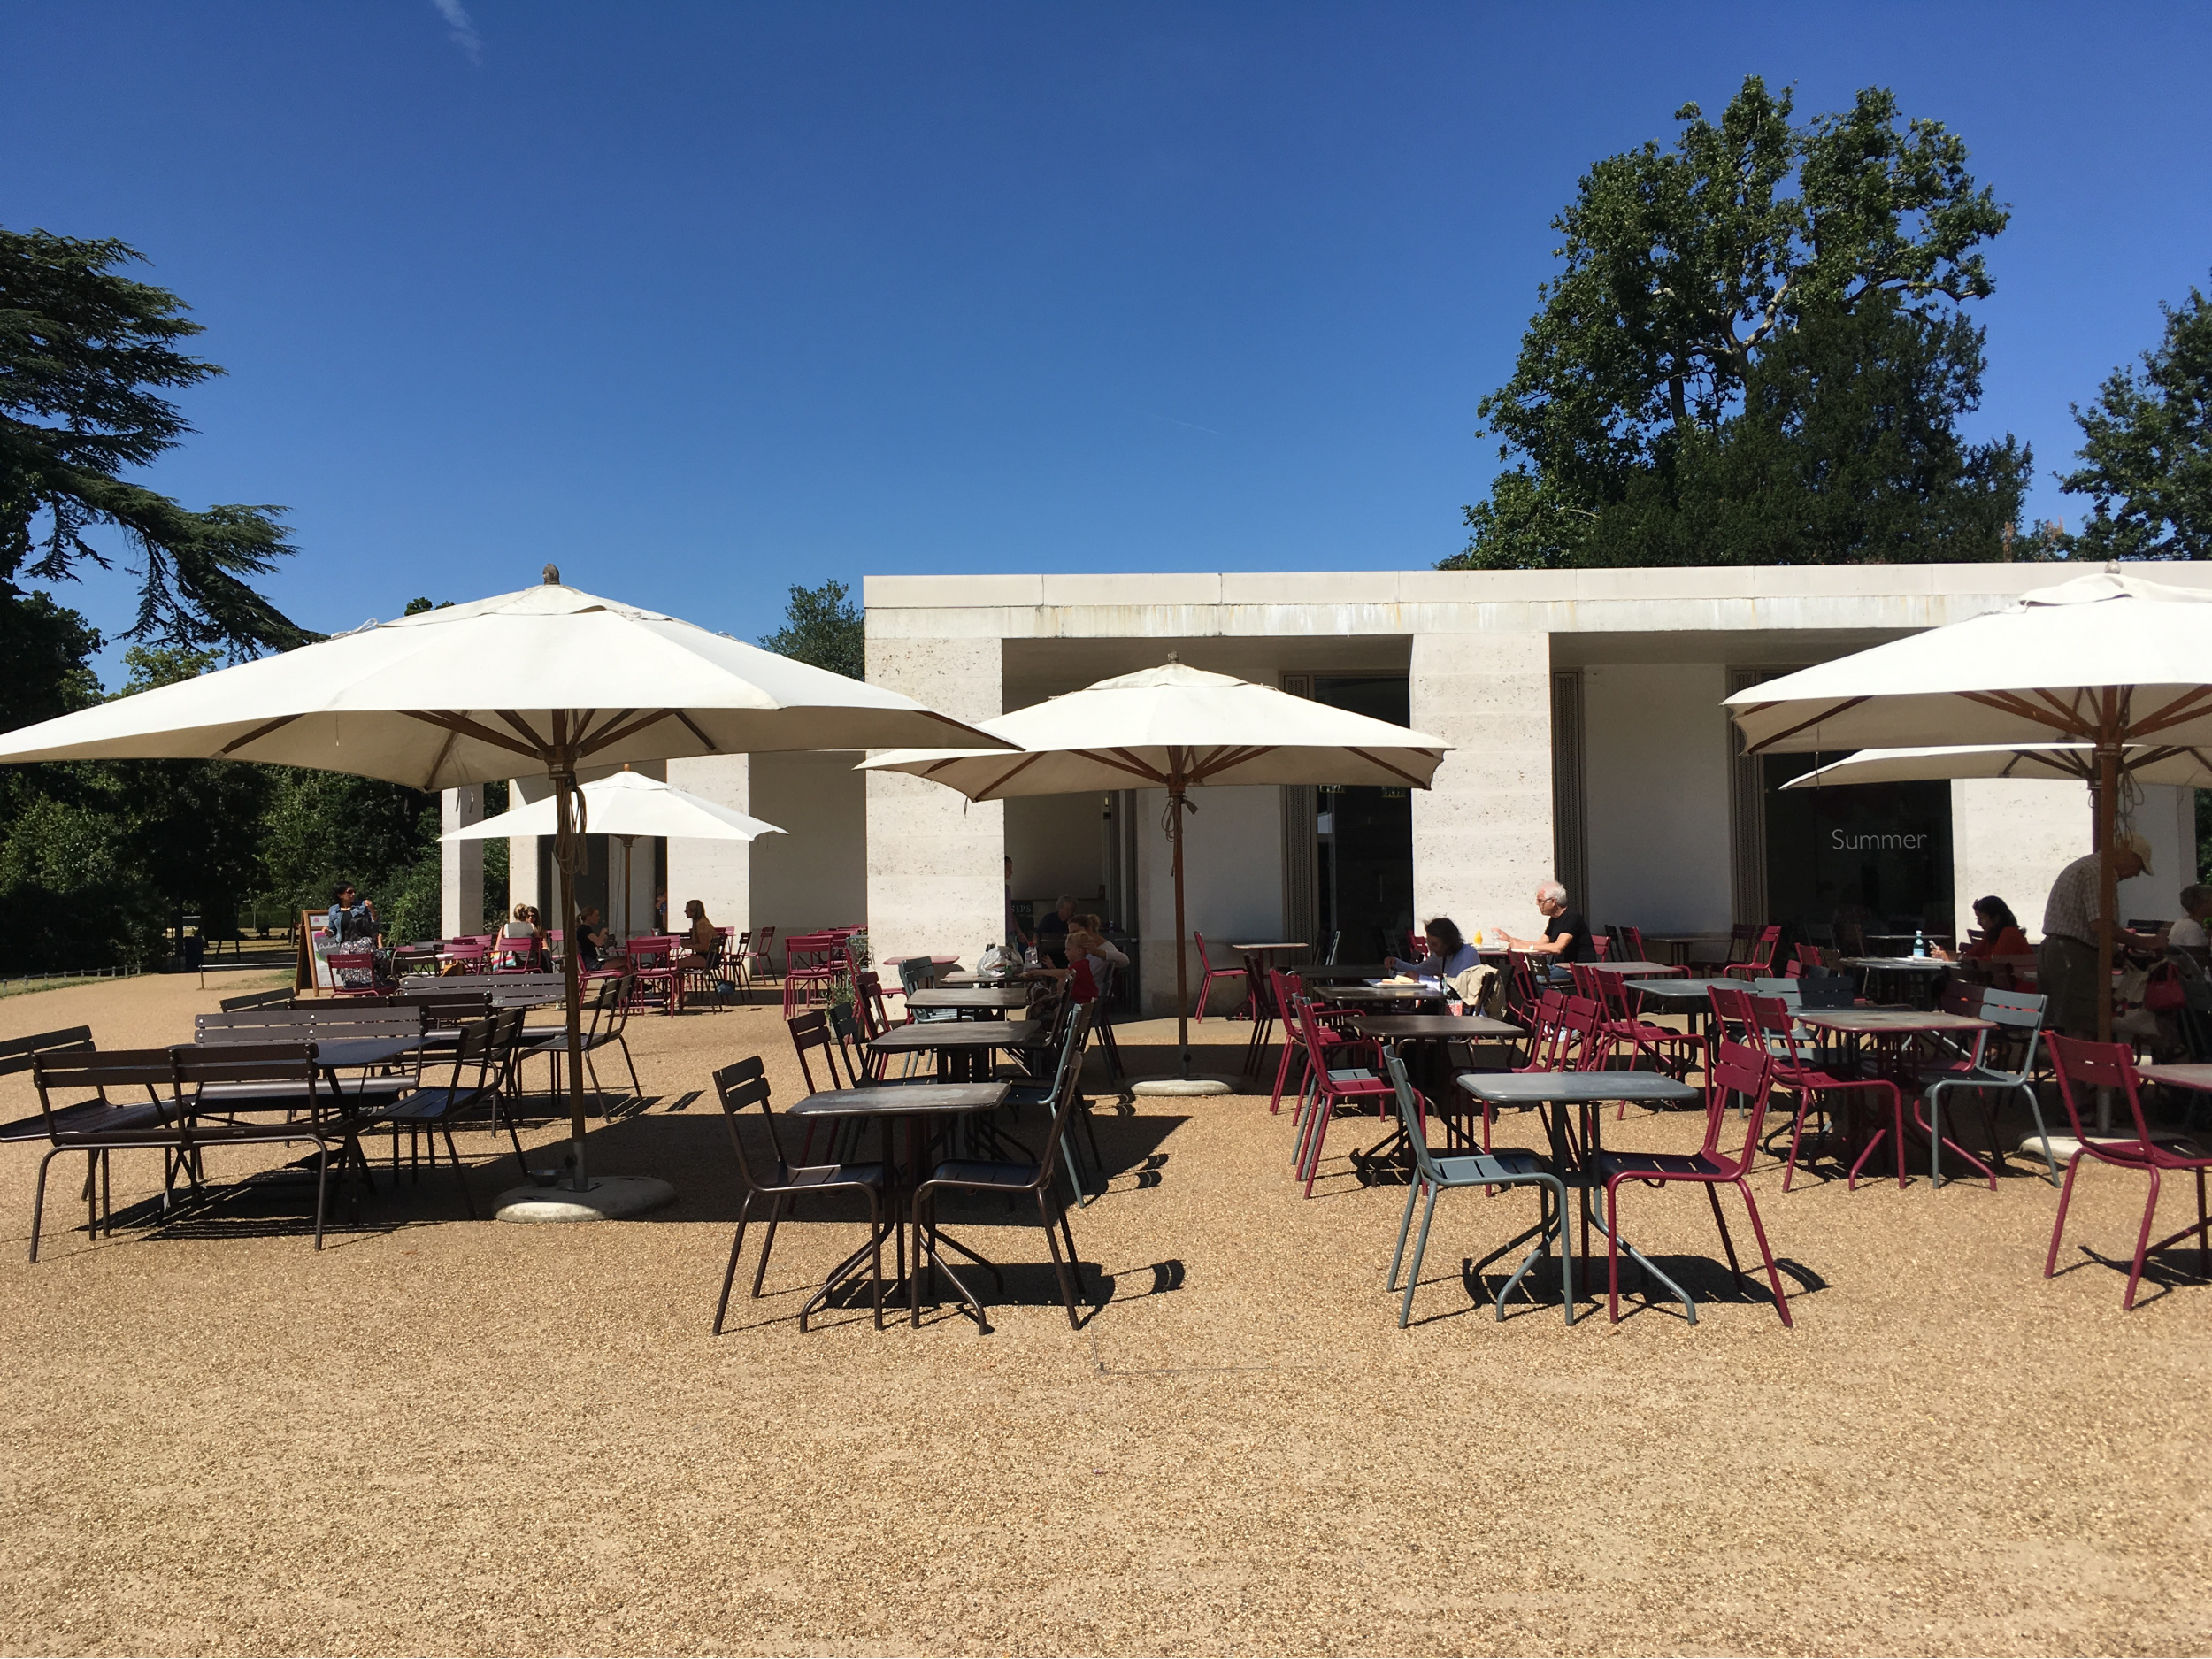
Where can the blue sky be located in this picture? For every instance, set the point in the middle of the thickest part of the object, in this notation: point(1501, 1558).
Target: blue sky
point(698, 302)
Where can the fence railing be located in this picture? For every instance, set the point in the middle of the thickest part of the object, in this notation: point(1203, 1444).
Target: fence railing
point(40, 981)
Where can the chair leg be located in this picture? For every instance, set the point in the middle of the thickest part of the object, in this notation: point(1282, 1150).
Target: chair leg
point(1797, 1133)
point(1059, 1265)
point(1712, 1194)
point(322, 1182)
point(467, 1198)
point(1613, 1252)
point(1420, 1249)
point(767, 1243)
point(1405, 1227)
point(729, 1274)
point(2142, 1246)
point(2058, 1226)
point(1758, 1233)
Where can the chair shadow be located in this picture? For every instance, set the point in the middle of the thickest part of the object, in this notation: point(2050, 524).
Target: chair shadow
point(2163, 1272)
point(1706, 1277)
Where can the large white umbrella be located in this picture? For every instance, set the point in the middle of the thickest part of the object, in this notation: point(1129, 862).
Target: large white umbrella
point(625, 804)
point(1176, 728)
point(548, 680)
point(2108, 660)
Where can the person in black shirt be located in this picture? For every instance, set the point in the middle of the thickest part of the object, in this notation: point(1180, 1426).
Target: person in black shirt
point(1052, 932)
point(1566, 934)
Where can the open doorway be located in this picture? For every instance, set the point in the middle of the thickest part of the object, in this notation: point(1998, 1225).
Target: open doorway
point(1862, 866)
point(1364, 836)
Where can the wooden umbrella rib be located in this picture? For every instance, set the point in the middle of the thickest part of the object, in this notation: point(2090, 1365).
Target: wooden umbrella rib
point(1022, 765)
point(692, 727)
point(1826, 714)
point(2187, 706)
point(587, 742)
point(259, 732)
point(1227, 758)
point(448, 721)
point(604, 738)
point(538, 745)
point(1122, 760)
point(2058, 718)
point(1396, 771)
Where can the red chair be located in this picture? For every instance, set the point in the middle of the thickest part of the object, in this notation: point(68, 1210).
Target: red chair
point(1603, 947)
point(465, 956)
point(812, 965)
point(353, 973)
point(1348, 1069)
point(1672, 1052)
point(1768, 1020)
point(1209, 975)
point(2112, 1065)
point(1740, 1072)
point(654, 975)
point(763, 951)
point(1758, 962)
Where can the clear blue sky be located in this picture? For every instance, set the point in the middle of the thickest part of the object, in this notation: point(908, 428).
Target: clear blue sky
point(698, 302)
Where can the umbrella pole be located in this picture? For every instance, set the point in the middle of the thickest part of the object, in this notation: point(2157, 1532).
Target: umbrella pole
point(1182, 968)
point(2108, 894)
point(564, 849)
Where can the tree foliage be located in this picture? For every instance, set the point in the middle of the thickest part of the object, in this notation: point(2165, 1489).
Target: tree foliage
point(2146, 449)
point(822, 626)
point(1754, 351)
point(85, 356)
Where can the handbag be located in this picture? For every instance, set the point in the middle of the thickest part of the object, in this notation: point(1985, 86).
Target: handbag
point(2163, 992)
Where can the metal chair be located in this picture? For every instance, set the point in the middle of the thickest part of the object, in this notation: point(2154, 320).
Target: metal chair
point(1207, 975)
point(1074, 1035)
point(205, 1078)
point(471, 1084)
point(746, 1083)
point(2111, 1065)
point(1747, 1075)
point(1010, 1180)
point(1512, 1167)
point(1768, 1017)
point(2019, 1018)
point(96, 1125)
point(1327, 1085)
point(1758, 959)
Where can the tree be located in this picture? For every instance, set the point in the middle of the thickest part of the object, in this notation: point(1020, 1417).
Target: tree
point(824, 627)
point(1755, 351)
point(2147, 449)
point(84, 355)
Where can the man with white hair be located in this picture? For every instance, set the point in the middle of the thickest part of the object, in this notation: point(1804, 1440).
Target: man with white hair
point(1566, 934)
point(2066, 961)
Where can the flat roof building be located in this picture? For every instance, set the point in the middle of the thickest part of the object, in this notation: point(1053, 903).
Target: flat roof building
point(1590, 742)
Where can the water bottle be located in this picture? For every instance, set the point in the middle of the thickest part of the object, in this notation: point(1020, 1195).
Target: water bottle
point(1919, 942)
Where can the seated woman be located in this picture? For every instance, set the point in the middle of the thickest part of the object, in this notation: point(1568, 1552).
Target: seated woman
point(701, 938)
point(591, 938)
point(2001, 936)
point(1089, 950)
point(1449, 953)
point(2196, 904)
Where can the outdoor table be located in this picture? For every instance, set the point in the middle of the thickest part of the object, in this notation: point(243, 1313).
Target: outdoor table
point(1434, 1033)
point(968, 976)
point(1257, 1003)
point(1575, 1155)
point(1691, 998)
point(1342, 972)
point(981, 998)
point(1884, 972)
point(1631, 970)
point(920, 1107)
point(1381, 993)
point(962, 1047)
point(1888, 1029)
point(1681, 946)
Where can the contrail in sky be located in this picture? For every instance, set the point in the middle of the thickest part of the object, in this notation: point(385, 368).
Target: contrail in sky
point(464, 27)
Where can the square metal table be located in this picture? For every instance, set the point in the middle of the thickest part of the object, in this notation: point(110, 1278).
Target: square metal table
point(1434, 1033)
point(996, 999)
point(962, 1047)
point(1575, 1155)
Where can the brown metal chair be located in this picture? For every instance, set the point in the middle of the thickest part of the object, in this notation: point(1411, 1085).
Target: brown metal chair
point(95, 1124)
point(214, 1084)
point(471, 1084)
point(746, 1083)
point(1009, 1181)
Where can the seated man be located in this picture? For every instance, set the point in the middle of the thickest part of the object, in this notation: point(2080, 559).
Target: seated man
point(1566, 934)
point(1052, 932)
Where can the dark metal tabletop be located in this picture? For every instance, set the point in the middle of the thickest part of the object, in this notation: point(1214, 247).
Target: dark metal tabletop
point(1878, 1021)
point(956, 1034)
point(998, 997)
point(1529, 1089)
point(1380, 994)
point(901, 1099)
point(1900, 964)
point(1632, 969)
point(1689, 993)
point(2198, 1077)
point(1413, 1028)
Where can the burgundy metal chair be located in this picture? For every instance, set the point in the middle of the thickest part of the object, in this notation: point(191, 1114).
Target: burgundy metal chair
point(1210, 974)
point(1745, 1075)
point(1768, 1018)
point(812, 963)
point(2111, 1065)
point(1673, 1052)
point(1758, 960)
point(810, 1030)
point(1348, 1070)
point(762, 949)
point(353, 973)
point(654, 975)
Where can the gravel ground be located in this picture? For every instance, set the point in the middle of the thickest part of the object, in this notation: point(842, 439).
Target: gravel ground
point(445, 1436)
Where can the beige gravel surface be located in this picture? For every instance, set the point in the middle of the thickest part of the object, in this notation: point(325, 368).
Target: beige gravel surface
point(446, 1436)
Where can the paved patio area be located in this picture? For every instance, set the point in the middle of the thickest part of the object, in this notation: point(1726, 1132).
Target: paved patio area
point(443, 1436)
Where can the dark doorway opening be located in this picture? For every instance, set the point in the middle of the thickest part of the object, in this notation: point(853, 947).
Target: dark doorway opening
point(1364, 863)
point(1862, 866)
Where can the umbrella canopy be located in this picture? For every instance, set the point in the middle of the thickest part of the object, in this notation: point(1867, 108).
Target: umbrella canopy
point(625, 803)
point(1176, 728)
point(547, 679)
point(2108, 660)
point(2072, 762)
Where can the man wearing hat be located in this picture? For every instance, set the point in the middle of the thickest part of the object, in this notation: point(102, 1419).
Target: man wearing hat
point(2066, 961)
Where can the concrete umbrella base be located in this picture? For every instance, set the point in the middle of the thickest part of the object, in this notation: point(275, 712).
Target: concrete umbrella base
point(609, 1198)
point(1182, 1085)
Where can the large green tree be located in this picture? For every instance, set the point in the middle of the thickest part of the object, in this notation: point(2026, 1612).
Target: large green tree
point(86, 354)
point(2146, 449)
point(1755, 351)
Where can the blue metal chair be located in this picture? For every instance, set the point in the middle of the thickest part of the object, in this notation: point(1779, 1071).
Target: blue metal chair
point(2013, 1012)
point(1508, 1168)
point(1072, 1038)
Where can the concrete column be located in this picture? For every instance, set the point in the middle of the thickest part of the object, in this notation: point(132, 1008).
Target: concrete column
point(2010, 837)
point(1482, 832)
point(522, 851)
point(460, 864)
point(934, 858)
point(718, 874)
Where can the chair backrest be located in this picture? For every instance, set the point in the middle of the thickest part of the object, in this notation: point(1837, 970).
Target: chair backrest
point(1960, 996)
point(2095, 1065)
point(740, 1087)
point(95, 1071)
point(848, 1022)
point(256, 1024)
point(1740, 935)
point(1603, 947)
point(1073, 1035)
point(1807, 955)
point(1774, 1031)
point(809, 1031)
point(1582, 1027)
point(764, 944)
point(1336, 938)
point(277, 998)
point(1787, 989)
point(285, 1062)
point(1412, 1112)
point(468, 1064)
point(1546, 1031)
point(1743, 1075)
point(1205, 963)
point(1587, 982)
point(1732, 1010)
point(321, 1022)
point(913, 974)
point(1762, 952)
point(1523, 989)
point(352, 973)
point(17, 1053)
point(868, 997)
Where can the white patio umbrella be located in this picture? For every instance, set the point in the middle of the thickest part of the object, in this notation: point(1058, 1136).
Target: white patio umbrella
point(2108, 660)
point(548, 680)
point(2184, 766)
point(1176, 728)
point(625, 804)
